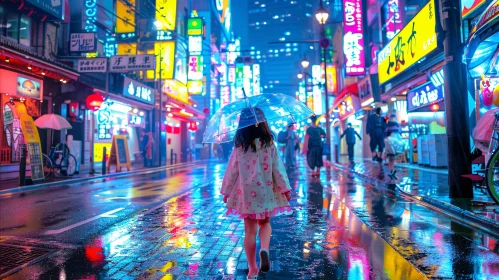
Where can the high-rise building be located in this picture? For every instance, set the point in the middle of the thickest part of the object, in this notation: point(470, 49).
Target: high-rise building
point(278, 31)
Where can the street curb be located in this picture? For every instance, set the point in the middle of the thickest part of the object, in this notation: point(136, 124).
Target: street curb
point(90, 179)
point(469, 218)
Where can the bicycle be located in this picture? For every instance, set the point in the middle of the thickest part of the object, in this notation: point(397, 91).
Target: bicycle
point(60, 160)
point(492, 166)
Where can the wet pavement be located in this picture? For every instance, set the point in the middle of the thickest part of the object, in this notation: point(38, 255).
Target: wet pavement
point(172, 226)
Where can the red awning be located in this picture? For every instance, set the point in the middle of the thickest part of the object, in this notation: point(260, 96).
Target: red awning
point(350, 89)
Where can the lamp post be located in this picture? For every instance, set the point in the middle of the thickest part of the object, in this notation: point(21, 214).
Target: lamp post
point(322, 15)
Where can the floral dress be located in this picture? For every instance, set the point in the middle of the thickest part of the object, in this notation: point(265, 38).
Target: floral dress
point(256, 183)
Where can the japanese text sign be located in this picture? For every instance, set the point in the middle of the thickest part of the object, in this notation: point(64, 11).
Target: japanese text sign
point(195, 68)
point(125, 21)
point(136, 121)
point(176, 90)
point(416, 40)
point(132, 63)
point(138, 91)
point(82, 42)
point(353, 38)
point(424, 95)
point(92, 65)
point(195, 45)
point(393, 18)
point(331, 79)
point(53, 7)
point(166, 14)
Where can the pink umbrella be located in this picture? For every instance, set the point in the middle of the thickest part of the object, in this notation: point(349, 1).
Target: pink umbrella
point(483, 130)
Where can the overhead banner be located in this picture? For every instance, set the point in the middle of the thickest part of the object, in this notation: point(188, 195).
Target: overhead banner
point(125, 20)
point(82, 42)
point(353, 38)
point(92, 65)
point(124, 63)
point(166, 14)
point(416, 40)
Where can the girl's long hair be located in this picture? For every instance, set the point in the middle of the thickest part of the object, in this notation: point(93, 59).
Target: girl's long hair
point(246, 136)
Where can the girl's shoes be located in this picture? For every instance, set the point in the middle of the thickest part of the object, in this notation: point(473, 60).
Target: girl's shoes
point(264, 260)
point(254, 277)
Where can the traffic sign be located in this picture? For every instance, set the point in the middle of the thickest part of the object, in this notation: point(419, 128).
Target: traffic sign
point(324, 42)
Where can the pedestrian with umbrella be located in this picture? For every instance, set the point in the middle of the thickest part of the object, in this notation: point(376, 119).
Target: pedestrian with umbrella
point(255, 185)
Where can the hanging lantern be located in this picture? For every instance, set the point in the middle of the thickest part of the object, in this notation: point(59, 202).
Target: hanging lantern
point(435, 107)
point(206, 111)
point(94, 101)
point(487, 97)
point(193, 126)
point(176, 130)
point(169, 128)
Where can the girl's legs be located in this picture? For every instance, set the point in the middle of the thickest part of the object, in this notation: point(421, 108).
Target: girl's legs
point(265, 233)
point(250, 230)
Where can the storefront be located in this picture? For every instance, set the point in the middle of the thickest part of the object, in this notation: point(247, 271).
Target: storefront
point(128, 114)
point(426, 125)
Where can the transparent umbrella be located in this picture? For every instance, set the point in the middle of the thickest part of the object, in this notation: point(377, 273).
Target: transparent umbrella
point(278, 110)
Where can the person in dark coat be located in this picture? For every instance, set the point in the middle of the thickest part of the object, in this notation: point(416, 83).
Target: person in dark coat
point(375, 128)
point(144, 140)
point(350, 133)
point(313, 146)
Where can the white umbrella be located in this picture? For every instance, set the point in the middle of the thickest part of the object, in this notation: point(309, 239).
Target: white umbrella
point(52, 121)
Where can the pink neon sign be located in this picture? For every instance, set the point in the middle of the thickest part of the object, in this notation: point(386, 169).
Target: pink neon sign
point(393, 19)
point(353, 38)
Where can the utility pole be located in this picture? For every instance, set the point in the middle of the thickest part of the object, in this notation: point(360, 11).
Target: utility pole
point(456, 102)
point(328, 124)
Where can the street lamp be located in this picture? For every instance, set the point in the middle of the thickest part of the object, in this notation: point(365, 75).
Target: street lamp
point(322, 15)
point(300, 76)
point(305, 63)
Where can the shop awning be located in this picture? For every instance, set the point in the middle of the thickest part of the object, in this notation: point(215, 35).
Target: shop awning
point(38, 66)
point(350, 89)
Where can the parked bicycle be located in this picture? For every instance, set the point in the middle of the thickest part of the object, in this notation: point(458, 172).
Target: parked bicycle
point(59, 162)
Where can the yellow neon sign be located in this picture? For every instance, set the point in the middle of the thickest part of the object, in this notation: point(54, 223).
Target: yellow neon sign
point(416, 40)
point(127, 49)
point(125, 20)
point(166, 14)
point(165, 60)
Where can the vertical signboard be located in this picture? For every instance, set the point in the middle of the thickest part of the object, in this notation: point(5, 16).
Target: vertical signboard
point(239, 80)
point(32, 139)
point(332, 82)
point(256, 79)
point(166, 14)
point(247, 77)
point(125, 20)
point(353, 38)
point(165, 60)
point(393, 18)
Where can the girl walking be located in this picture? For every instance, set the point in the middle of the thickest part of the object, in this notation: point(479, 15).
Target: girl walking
point(256, 187)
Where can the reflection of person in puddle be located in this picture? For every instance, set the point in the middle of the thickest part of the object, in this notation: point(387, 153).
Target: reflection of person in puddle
point(256, 187)
point(386, 209)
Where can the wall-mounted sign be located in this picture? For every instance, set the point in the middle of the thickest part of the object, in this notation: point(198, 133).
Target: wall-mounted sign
point(195, 87)
point(122, 63)
point(195, 45)
point(162, 35)
point(423, 96)
point(247, 80)
point(176, 90)
point(331, 79)
point(92, 65)
point(136, 120)
point(353, 39)
point(165, 64)
point(195, 27)
point(125, 20)
point(225, 96)
point(317, 95)
point(222, 69)
point(138, 91)
point(195, 68)
point(469, 6)
point(180, 72)
point(365, 92)
point(231, 75)
point(127, 49)
point(416, 40)
point(53, 7)
point(82, 42)
point(393, 18)
point(104, 125)
point(166, 14)
point(74, 109)
point(89, 16)
point(256, 79)
point(28, 87)
point(347, 108)
point(110, 46)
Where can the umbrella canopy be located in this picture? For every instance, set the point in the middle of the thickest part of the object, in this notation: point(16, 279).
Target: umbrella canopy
point(278, 111)
point(52, 121)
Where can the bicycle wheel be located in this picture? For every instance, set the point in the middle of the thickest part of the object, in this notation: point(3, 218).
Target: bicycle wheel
point(48, 167)
point(492, 176)
point(69, 164)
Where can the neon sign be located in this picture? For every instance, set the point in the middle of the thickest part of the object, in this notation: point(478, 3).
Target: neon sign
point(353, 40)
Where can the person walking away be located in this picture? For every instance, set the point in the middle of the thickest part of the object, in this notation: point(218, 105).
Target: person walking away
point(312, 147)
point(394, 147)
point(392, 125)
point(256, 187)
point(149, 149)
point(375, 128)
point(350, 133)
point(144, 139)
point(291, 141)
